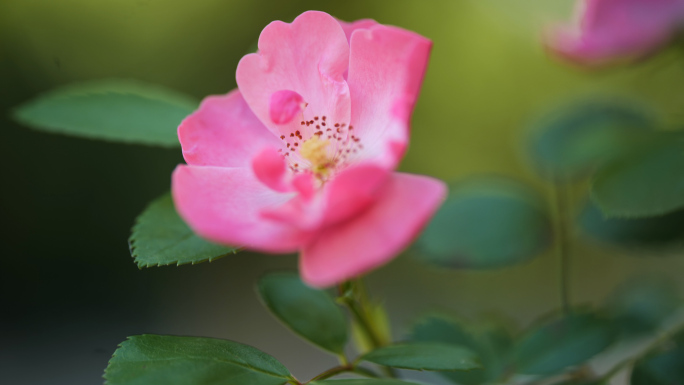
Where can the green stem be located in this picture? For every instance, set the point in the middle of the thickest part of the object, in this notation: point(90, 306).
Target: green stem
point(560, 203)
point(332, 372)
point(356, 299)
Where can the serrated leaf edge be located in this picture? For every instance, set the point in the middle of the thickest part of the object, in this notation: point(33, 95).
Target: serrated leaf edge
point(129, 338)
point(134, 255)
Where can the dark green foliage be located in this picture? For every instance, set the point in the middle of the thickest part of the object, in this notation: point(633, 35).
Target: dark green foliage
point(570, 143)
point(311, 313)
point(365, 381)
point(424, 356)
point(117, 110)
point(647, 181)
point(160, 237)
point(665, 367)
point(491, 345)
point(562, 343)
point(641, 306)
point(170, 360)
point(486, 223)
point(659, 232)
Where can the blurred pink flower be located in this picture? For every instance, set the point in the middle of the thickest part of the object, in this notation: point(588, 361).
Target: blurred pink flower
point(301, 157)
point(608, 31)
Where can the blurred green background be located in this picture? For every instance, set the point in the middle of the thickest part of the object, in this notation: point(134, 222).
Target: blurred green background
point(70, 290)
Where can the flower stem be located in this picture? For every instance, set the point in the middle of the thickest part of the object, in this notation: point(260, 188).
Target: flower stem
point(354, 296)
point(331, 372)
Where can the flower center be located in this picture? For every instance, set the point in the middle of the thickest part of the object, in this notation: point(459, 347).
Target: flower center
point(315, 150)
point(320, 146)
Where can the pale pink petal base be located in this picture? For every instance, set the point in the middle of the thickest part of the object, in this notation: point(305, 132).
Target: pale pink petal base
point(376, 235)
point(224, 205)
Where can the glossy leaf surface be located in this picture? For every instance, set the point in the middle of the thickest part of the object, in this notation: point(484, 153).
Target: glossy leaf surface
point(171, 360)
point(310, 313)
point(116, 110)
point(491, 344)
point(160, 237)
point(424, 356)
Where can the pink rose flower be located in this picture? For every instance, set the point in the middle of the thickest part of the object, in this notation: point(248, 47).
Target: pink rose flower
point(301, 156)
point(610, 31)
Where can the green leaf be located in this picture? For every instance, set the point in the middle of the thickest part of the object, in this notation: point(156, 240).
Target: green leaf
point(160, 237)
point(116, 110)
point(642, 305)
point(310, 313)
point(661, 232)
point(491, 344)
point(365, 381)
point(440, 329)
point(424, 356)
point(170, 360)
point(486, 223)
point(569, 143)
point(645, 182)
point(662, 368)
point(562, 343)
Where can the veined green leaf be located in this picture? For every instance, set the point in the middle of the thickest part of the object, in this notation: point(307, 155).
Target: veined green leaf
point(160, 237)
point(117, 110)
point(309, 312)
point(171, 360)
point(424, 356)
point(490, 343)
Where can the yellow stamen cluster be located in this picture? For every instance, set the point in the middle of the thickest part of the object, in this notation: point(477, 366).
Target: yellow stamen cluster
point(315, 150)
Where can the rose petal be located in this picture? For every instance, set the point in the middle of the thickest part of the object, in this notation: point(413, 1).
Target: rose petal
point(285, 105)
point(386, 70)
point(350, 27)
point(375, 236)
point(353, 190)
point(615, 30)
point(271, 169)
point(223, 132)
point(309, 57)
point(224, 204)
